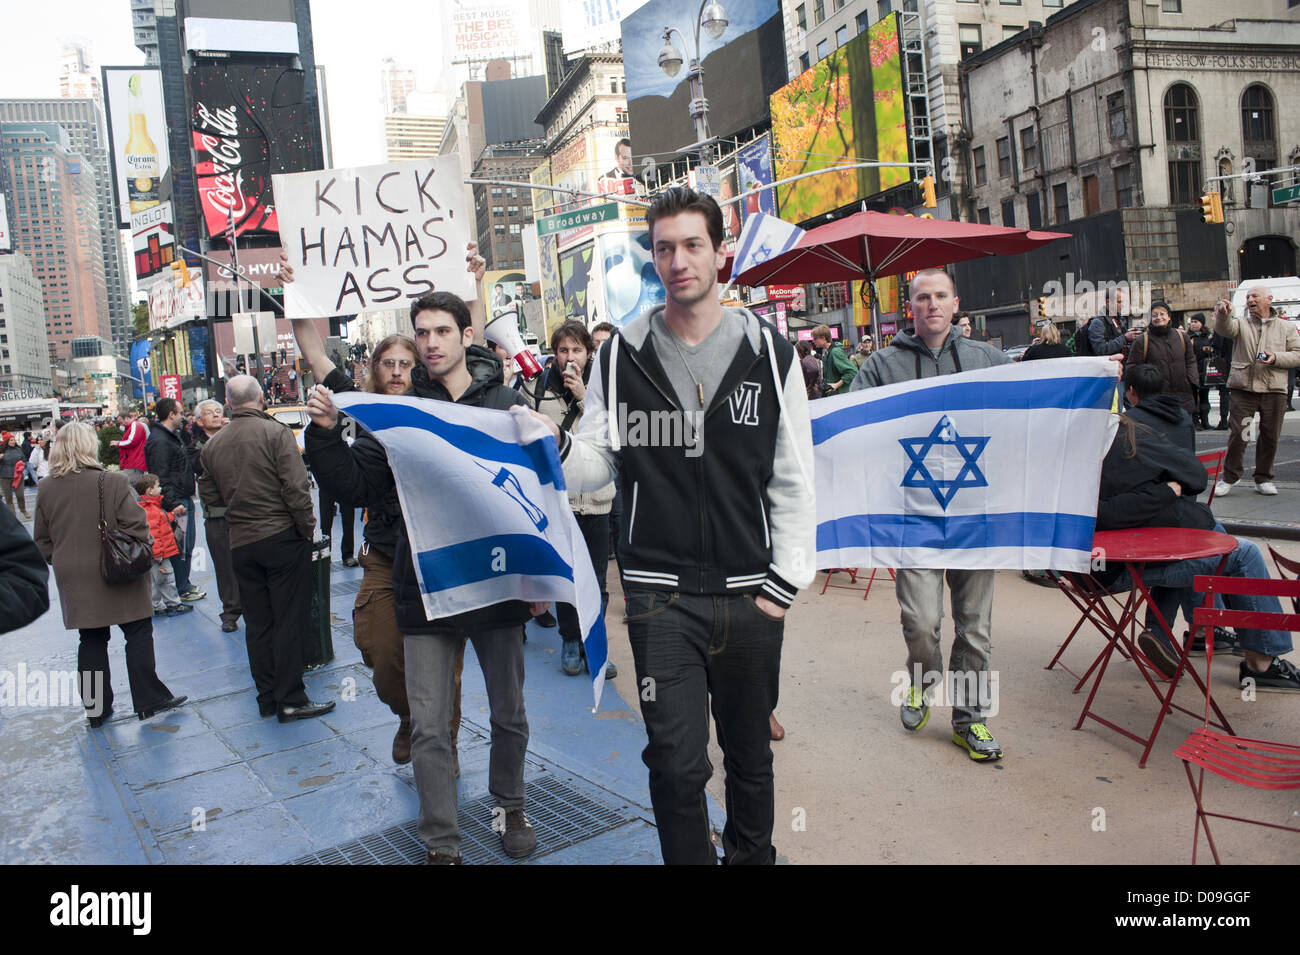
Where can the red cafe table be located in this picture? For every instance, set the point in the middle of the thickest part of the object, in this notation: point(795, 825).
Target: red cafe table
point(1136, 549)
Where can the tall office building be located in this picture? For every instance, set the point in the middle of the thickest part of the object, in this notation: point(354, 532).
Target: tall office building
point(77, 79)
point(83, 122)
point(24, 355)
point(397, 84)
point(56, 218)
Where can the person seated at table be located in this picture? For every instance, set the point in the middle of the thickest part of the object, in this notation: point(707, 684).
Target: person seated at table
point(1143, 387)
point(1147, 481)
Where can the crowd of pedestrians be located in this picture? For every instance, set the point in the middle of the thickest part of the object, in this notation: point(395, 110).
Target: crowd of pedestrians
point(706, 597)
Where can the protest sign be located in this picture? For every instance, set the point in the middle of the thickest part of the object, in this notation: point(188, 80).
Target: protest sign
point(363, 238)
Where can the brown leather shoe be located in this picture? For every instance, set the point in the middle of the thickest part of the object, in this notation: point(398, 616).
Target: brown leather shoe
point(402, 743)
point(778, 731)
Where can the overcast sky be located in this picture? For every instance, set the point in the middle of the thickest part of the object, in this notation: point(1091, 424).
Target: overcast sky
point(349, 47)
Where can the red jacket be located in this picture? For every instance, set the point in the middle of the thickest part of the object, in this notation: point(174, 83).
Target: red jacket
point(160, 526)
point(130, 450)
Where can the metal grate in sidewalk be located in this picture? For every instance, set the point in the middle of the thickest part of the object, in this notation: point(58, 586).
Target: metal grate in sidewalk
point(562, 814)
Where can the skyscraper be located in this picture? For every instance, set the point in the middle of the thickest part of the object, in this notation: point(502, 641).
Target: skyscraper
point(24, 355)
point(56, 216)
point(84, 124)
point(77, 80)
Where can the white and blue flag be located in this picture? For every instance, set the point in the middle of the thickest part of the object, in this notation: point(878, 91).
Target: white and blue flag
point(991, 469)
point(487, 515)
point(763, 237)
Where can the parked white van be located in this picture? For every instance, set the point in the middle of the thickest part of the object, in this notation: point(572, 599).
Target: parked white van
point(1285, 292)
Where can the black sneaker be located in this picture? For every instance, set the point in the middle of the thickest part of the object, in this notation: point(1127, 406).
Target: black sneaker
point(1281, 676)
point(1159, 651)
point(1225, 641)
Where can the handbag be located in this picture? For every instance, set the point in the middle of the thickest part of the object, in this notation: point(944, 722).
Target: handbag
point(122, 559)
point(1214, 372)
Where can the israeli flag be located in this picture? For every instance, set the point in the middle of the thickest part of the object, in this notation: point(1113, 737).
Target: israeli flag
point(991, 469)
point(763, 237)
point(486, 511)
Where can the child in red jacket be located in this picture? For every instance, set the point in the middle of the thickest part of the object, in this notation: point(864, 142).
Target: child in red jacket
point(166, 601)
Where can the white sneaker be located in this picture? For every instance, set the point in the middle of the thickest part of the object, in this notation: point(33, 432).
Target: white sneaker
point(1223, 487)
point(1266, 487)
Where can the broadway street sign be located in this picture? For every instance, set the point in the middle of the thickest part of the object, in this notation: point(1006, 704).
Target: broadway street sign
point(563, 221)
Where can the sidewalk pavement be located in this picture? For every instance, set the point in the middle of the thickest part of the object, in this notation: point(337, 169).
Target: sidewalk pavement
point(211, 782)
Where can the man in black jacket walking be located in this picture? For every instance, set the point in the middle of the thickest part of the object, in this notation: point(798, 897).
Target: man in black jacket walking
point(166, 456)
point(451, 369)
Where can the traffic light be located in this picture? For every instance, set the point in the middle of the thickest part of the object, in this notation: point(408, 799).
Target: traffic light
point(1212, 207)
point(181, 273)
point(927, 193)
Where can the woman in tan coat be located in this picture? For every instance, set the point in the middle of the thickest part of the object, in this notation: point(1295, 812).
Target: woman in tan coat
point(67, 532)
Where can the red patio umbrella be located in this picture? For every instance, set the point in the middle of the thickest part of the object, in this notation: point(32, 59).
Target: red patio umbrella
point(866, 245)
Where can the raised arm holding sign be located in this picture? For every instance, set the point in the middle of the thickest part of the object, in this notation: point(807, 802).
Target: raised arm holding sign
point(376, 236)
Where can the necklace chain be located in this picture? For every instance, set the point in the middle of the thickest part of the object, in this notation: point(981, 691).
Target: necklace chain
point(699, 388)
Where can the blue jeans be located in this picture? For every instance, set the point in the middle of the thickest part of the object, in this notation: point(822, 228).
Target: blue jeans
point(695, 653)
point(181, 562)
point(1245, 561)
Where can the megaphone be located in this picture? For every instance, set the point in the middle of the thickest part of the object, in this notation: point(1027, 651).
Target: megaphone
point(503, 330)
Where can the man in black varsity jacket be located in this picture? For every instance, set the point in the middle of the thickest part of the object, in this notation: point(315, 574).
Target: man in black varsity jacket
point(703, 414)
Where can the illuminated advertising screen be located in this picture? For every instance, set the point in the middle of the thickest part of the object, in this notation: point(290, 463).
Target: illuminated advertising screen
point(137, 131)
point(626, 284)
point(250, 122)
point(742, 68)
point(848, 106)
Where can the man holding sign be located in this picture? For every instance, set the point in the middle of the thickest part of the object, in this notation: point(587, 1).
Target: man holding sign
point(452, 369)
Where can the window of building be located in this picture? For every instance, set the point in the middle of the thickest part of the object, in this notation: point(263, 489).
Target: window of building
point(819, 11)
point(864, 20)
point(1171, 6)
point(1053, 3)
point(1257, 117)
point(968, 35)
point(838, 4)
point(515, 228)
point(821, 49)
point(804, 64)
point(801, 17)
point(1009, 213)
point(1028, 148)
point(499, 228)
point(883, 9)
point(620, 116)
point(1004, 157)
point(1115, 116)
point(1060, 203)
point(981, 169)
point(498, 211)
point(1009, 30)
point(1182, 130)
point(841, 36)
point(1033, 207)
point(983, 216)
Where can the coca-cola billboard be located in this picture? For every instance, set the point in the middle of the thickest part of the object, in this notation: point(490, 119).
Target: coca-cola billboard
point(250, 122)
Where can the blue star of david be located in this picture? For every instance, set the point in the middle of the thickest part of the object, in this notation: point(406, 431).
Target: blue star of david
point(918, 475)
point(761, 254)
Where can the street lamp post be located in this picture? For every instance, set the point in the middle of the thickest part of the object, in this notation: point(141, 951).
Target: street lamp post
point(713, 18)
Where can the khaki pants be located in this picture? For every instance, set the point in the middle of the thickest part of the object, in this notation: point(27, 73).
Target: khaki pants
point(1243, 405)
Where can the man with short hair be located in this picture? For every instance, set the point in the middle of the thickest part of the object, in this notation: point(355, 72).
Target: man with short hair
point(720, 527)
point(963, 322)
point(252, 468)
point(1265, 345)
point(165, 456)
point(939, 348)
point(1106, 334)
point(838, 370)
point(216, 531)
point(130, 447)
point(452, 368)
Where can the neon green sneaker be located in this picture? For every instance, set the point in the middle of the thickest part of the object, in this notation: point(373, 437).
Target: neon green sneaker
point(914, 711)
point(977, 741)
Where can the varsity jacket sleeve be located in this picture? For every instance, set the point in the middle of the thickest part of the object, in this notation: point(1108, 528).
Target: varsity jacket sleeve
point(589, 457)
point(792, 511)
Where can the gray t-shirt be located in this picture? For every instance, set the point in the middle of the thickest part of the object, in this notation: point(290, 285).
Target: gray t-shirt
point(707, 362)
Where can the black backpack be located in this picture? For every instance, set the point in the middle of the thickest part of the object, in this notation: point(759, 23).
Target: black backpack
point(1079, 341)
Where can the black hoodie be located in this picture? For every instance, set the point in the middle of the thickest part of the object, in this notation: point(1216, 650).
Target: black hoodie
point(1165, 413)
point(360, 474)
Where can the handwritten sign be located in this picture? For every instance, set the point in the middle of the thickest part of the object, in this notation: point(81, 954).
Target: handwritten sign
point(371, 237)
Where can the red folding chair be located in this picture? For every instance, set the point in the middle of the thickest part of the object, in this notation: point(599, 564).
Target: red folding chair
point(1287, 569)
point(1259, 764)
point(1213, 461)
point(853, 579)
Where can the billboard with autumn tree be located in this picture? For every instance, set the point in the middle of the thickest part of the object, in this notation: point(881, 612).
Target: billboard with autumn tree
point(849, 106)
